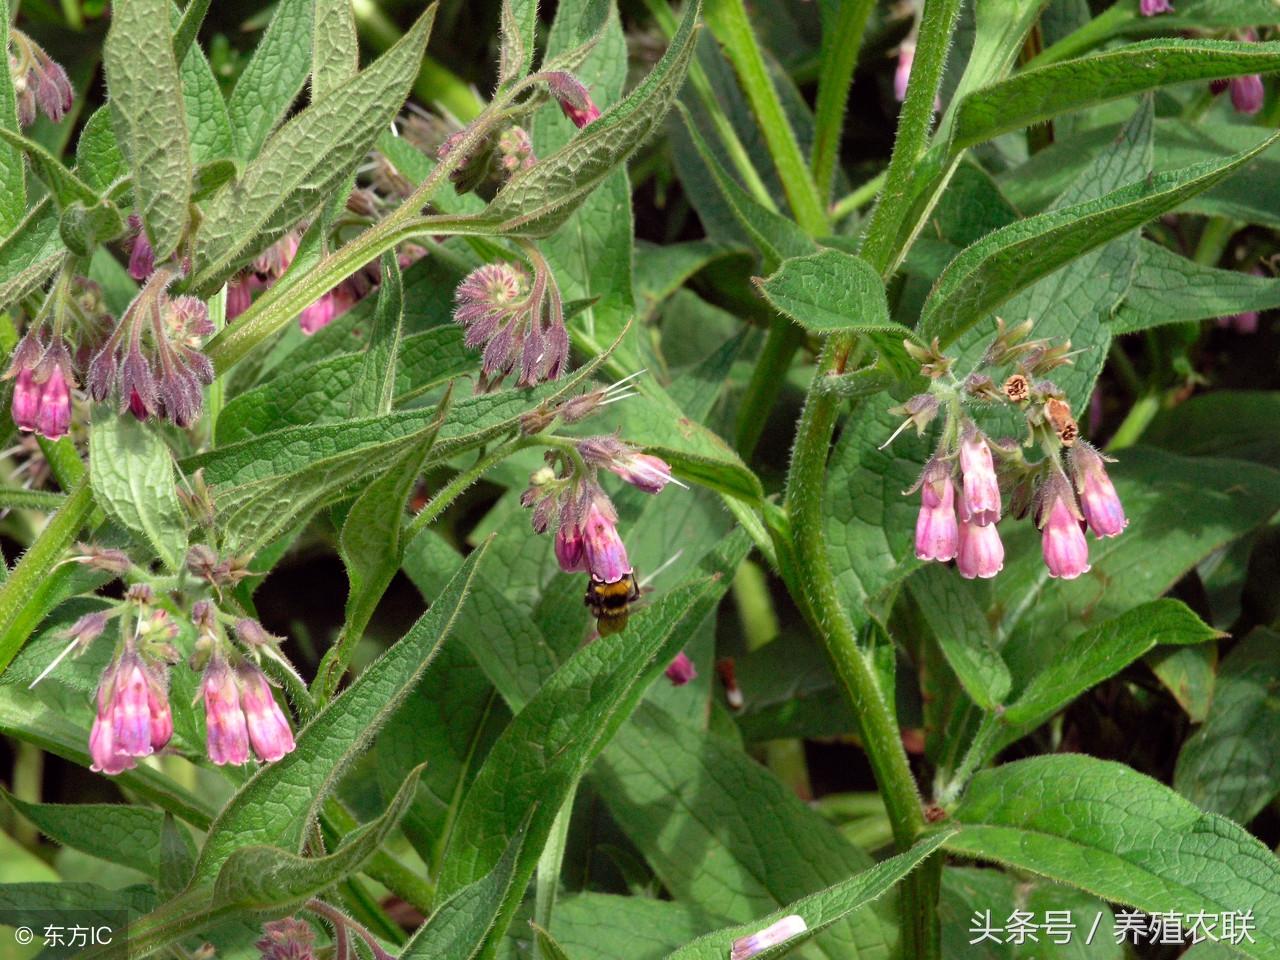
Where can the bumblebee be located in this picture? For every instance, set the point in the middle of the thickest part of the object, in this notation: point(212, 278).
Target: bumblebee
point(610, 603)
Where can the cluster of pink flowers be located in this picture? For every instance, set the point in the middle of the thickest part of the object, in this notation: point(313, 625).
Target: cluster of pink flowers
point(133, 717)
point(38, 81)
point(960, 487)
point(43, 381)
point(519, 324)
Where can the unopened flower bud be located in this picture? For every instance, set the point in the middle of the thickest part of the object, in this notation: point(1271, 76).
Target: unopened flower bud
point(573, 96)
point(1151, 8)
point(569, 549)
point(1098, 499)
point(286, 939)
point(681, 670)
point(980, 502)
point(106, 559)
point(1247, 93)
point(780, 932)
point(268, 728)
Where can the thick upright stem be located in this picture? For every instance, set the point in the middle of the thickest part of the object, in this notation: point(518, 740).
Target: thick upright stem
point(881, 737)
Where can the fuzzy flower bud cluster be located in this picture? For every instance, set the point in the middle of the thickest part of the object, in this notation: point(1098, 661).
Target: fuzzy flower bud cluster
point(38, 81)
point(152, 360)
point(961, 485)
point(518, 322)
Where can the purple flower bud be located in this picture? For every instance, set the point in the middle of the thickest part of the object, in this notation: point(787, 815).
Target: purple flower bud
point(180, 397)
point(227, 735)
point(641, 470)
point(138, 391)
point(1098, 500)
point(142, 258)
point(161, 717)
point(107, 559)
point(937, 536)
point(26, 401)
point(605, 553)
point(53, 419)
point(780, 932)
point(239, 295)
point(980, 554)
point(902, 72)
point(286, 939)
point(268, 729)
point(1066, 553)
point(681, 670)
point(569, 548)
point(1151, 8)
point(980, 503)
point(574, 98)
point(88, 628)
point(1247, 93)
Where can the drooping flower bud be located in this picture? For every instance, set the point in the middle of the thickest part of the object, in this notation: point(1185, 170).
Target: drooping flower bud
point(327, 309)
point(520, 324)
point(107, 559)
point(515, 150)
point(980, 502)
point(133, 717)
point(1247, 93)
point(142, 258)
point(937, 535)
point(641, 470)
point(26, 401)
point(569, 548)
point(573, 96)
point(286, 939)
point(1151, 8)
point(38, 80)
point(268, 729)
point(1066, 553)
point(681, 670)
point(980, 554)
point(902, 72)
point(606, 555)
point(227, 735)
point(53, 419)
point(1098, 500)
point(780, 932)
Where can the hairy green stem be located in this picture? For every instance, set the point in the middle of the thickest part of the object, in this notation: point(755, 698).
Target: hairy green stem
point(701, 83)
point(804, 495)
point(838, 62)
point(33, 570)
point(1140, 415)
point(459, 483)
point(767, 380)
point(729, 22)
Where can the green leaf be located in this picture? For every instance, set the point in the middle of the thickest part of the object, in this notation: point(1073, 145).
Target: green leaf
point(775, 236)
point(1169, 288)
point(991, 271)
point(449, 722)
point(831, 292)
point(65, 186)
point(722, 833)
point(466, 925)
point(375, 385)
point(819, 910)
point(211, 136)
point(335, 50)
point(131, 471)
point(603, 926)
point(116, 832)
point(1099, 653)
point(30, 254)
point(542, 755)
point(1239, 424)
point(1038, 94)
point(82, 229)
point(13, 188)
point(99, 162)
point(306, 160)
point(548, 946)
point(281, 799)
point(272, 79)
point(964, 634)
point(1231, 765)
point(150, 117)
point(261, 877)
point(324, 391)
point(536, 201)
point(177, 857)
point(1140, 843)
point(517, 36)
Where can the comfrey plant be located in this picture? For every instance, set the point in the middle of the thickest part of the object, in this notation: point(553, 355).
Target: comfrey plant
point(384, 425)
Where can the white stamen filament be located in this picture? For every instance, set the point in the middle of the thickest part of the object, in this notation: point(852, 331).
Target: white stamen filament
point(56, 660)
point(665, 563)
point(894, 436)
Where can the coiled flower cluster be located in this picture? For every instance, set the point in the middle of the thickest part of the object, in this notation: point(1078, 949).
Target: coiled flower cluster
point(962, 483)
point(38, 81)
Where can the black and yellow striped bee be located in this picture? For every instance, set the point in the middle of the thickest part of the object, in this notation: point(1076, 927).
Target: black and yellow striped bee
point(610, 603)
